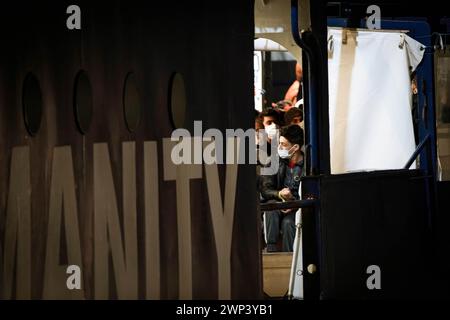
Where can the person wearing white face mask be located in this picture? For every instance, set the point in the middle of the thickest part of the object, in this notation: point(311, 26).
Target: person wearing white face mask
point(271, 123)
point(271, 131)
point(284, 186)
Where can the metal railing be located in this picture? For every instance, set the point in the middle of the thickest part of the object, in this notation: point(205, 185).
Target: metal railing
point(270, 206)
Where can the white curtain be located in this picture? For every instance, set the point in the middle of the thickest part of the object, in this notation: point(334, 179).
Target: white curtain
point(371, 125)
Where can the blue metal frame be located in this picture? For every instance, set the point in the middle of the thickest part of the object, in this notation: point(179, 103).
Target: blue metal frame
point(337, 22)
point(420, 31)
point(310, 103)
point(419, 149)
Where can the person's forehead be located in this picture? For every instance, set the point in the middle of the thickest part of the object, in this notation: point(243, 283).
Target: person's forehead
point(283, 140)
point(269, 118)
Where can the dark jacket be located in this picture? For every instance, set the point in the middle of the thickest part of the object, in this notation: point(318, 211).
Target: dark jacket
point(270, 185)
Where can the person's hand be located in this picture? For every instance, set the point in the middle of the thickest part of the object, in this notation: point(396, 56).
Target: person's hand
point(286, 194)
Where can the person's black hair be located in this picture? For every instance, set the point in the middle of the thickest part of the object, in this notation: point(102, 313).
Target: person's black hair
point(274, 114)
point(293, 134)
point(291, 114)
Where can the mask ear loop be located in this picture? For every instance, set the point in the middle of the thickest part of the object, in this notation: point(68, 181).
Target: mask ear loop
point(290, 155)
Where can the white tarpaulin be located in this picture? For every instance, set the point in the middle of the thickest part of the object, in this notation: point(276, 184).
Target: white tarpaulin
point(371, 125)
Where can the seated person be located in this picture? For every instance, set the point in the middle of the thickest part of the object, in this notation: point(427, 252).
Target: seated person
point(284, 186)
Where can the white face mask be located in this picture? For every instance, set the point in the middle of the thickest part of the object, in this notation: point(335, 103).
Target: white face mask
point(284, 154)
point(271, 131)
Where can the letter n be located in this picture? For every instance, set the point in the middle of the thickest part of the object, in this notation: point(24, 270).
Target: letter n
point(107, 228)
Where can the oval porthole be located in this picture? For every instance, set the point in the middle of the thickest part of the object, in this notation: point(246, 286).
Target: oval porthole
point(177, 101)
point(131, 103)
point(32, 104)
point(82, 102)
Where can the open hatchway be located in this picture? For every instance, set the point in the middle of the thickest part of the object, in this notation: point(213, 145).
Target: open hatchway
point(366, 212)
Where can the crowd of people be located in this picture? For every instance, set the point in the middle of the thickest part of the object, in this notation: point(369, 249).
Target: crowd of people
point(282, 121)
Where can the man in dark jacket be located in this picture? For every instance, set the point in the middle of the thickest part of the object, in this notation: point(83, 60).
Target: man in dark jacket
point(284, 186)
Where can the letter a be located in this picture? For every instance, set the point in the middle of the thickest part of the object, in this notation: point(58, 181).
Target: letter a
point(74, 280)
point(373, 21)
point(374, 281)
point(74, 20)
